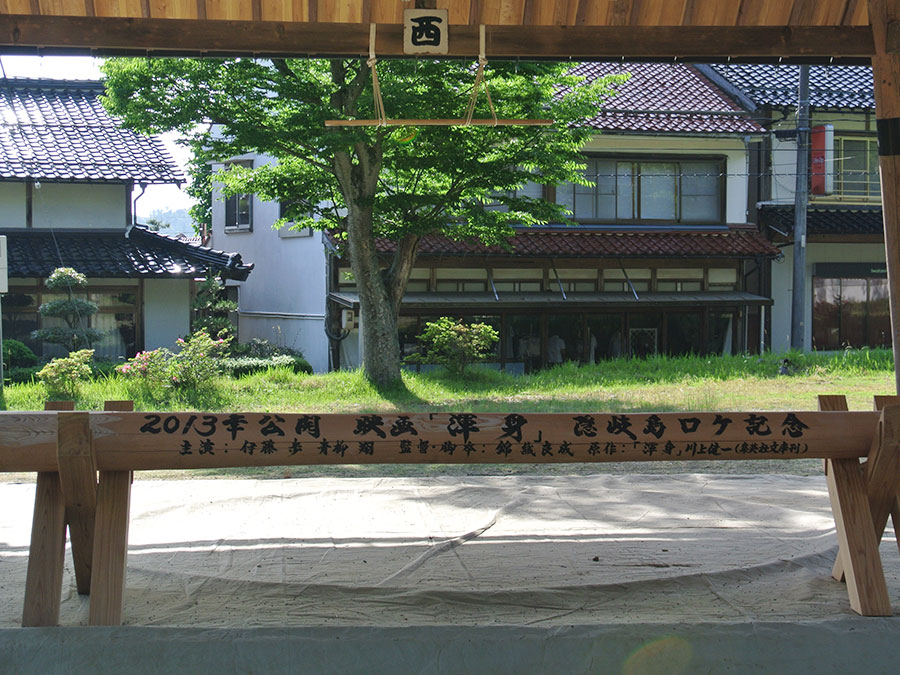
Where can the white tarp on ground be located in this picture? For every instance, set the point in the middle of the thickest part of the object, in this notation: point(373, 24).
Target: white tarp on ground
point(514, 550)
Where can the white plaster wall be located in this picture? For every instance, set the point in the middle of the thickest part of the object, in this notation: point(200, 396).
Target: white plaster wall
point(732, 148)
point(167, 311)
point(79, 205)
point(783, 284)
point(12, 204)
point(283, 299)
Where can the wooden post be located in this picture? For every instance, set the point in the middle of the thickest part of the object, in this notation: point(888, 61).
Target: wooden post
point(111, 541)
point(46, 554)
point(43, 583)
point(886, 75)
point(834, 402)
point(78, 480)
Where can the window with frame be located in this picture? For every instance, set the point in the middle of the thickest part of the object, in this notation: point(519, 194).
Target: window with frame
point(677, 190)
point(117, 317)
point(856, 168)
point(239, 208)
point(288, 231)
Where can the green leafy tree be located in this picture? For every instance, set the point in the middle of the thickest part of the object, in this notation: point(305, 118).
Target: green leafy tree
point(369, 182)
point(74, 311)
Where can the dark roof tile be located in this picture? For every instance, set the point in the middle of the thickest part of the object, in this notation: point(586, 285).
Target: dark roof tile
point(836, 87)
point(109, 253)
point(576, 242)
point(58, 130)
point(681, 98)
point(825, 220)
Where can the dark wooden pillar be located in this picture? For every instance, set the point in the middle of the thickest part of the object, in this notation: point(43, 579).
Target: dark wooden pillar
point(886, 71)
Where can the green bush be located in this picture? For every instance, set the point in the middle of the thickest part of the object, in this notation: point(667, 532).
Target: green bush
point(62, 377)
point(259, 348)
point(75, 312)
point(17, 355)
point(21, 375)
point(246, 365)
point(454, 344)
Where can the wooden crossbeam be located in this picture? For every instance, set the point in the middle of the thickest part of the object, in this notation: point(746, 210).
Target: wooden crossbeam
point(113, 35)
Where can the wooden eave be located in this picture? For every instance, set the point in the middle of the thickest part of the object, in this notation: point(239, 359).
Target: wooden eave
point(800, 30)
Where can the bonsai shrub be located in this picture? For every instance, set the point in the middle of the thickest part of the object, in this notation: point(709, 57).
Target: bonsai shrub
point(75, 312)
point(454, 344)
point(62, 377)
point(212, 309)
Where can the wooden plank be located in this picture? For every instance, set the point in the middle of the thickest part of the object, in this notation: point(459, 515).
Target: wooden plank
point(28, 439)
point(866, 585)
point(43, 581)
point(112, 35)
point(78, 480)
point(138, 441)
point(110, 548)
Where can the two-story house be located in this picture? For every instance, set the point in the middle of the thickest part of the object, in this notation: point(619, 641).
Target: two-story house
point(662, 260)
point(846, 303)
point(69, 180)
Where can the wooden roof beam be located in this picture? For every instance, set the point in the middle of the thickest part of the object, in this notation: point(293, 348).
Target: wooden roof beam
point(106, 35)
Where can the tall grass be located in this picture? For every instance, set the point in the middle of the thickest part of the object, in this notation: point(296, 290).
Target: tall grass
point(659, 382)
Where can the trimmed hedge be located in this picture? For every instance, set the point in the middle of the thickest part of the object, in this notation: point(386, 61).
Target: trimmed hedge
point(246, 365)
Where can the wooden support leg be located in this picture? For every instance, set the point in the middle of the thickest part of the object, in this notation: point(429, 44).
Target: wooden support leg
point(43, 583)
point(110, 548)
point(835, 402)
point(78, 479)
point(859, 549)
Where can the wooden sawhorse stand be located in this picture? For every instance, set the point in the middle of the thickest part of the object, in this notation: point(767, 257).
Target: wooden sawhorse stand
point(863, 496)
point(96, 513)
point(68, 448)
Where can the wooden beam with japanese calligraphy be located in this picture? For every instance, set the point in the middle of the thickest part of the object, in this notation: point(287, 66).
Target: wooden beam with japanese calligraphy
point(133, 441)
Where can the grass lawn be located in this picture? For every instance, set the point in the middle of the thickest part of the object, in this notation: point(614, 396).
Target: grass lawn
point(655, 384)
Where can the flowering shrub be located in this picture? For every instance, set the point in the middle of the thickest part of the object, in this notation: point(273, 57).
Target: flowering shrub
point(189, 373)
point(62, 377)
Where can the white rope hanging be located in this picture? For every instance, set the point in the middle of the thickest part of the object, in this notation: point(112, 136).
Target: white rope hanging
point(381, 119)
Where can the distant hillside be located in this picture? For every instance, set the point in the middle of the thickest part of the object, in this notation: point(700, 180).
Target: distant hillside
point(171, 222)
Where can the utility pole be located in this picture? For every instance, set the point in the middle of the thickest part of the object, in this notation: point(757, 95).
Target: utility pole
point(801, 196)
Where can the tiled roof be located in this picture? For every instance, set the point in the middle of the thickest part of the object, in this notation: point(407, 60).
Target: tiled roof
point(820, 220)
point(841, 87)
point(58, 130)
point(577, 242)
point(681, 99)
point(109, 253)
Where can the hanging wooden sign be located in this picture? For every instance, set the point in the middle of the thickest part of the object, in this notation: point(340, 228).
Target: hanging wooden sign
point(425, 31)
